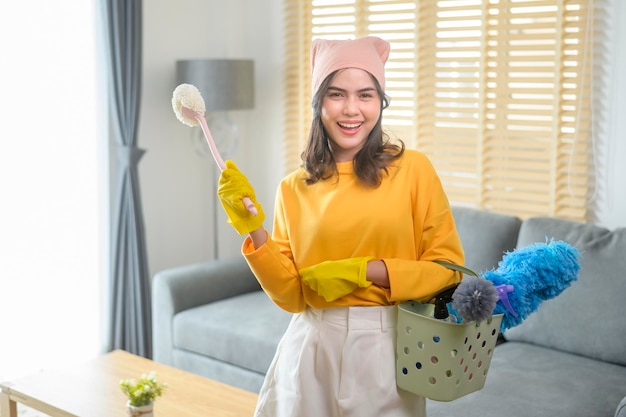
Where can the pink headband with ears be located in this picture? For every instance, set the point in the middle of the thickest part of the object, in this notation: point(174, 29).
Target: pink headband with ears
point(369, 54)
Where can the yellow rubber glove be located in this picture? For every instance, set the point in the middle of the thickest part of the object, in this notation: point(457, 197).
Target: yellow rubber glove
point(335, 279)
point(232, 187)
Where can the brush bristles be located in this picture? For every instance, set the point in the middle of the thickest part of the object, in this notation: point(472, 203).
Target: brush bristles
point(187, 95)
point(475, 299)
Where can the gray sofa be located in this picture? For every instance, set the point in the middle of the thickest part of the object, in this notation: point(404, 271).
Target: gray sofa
point(567, 359)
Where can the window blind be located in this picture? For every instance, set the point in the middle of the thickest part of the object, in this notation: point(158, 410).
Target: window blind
point(496, 93)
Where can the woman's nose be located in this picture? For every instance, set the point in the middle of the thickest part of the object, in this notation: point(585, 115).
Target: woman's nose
point(351, 106)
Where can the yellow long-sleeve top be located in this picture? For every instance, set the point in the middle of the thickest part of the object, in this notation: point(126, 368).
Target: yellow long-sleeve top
point(406, 222)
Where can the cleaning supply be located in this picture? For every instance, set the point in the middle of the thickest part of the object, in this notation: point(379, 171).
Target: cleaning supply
point(475, 299)
point(189, 108)
point(441, 311)
point(479, 297)
point(335, 279)
point(537, 272)
point(524, 279)
point(443, 360)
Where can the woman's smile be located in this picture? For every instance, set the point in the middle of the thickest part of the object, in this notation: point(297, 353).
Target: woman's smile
point(350, 111)
point(350, 128)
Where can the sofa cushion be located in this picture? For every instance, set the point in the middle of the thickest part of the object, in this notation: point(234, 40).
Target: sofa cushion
point(485, 236)
point(218, 370)
point(242, 330)
point(621, 408)
point(534, 381)
point(587, 318)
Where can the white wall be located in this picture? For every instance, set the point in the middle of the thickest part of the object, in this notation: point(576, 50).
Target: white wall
point(612, 187)
point(176, 183)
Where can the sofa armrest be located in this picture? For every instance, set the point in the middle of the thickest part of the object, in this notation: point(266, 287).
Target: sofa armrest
point(621, 409)
point(181, 288)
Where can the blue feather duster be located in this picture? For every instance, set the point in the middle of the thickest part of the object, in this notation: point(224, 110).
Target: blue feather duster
point(524, 279)
point(537, 272)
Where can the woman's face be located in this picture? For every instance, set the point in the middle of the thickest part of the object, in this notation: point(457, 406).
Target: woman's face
point(350, 110)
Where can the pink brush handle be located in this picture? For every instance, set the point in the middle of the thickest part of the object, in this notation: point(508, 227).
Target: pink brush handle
point(218, 158)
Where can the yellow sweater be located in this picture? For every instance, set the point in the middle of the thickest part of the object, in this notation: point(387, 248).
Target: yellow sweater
point(406, 222)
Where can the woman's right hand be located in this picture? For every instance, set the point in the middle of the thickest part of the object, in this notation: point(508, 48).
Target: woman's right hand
point(233, 186)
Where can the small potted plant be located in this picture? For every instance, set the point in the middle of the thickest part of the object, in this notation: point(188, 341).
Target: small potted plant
point(141, 394)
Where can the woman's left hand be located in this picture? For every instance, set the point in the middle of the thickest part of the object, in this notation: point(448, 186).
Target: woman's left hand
point(335, 279)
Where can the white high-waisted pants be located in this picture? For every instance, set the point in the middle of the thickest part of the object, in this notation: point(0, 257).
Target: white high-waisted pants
point(337, 362)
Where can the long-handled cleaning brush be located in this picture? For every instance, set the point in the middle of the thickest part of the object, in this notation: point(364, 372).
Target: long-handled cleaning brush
point(189, 107)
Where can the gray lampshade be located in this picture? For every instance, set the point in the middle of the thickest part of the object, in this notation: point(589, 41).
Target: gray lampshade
point(225, 84)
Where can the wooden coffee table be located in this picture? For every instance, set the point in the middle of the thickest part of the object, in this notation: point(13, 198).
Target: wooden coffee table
point(92, 390)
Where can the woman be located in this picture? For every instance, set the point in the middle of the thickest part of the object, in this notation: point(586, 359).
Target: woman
point(355, 232)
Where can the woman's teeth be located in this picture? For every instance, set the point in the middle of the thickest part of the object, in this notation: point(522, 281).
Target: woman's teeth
point(349, 125)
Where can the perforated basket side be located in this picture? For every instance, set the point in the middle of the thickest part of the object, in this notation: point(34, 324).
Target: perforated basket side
point(440, 360)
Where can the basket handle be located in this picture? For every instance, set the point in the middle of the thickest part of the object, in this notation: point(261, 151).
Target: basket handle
point(456, 267)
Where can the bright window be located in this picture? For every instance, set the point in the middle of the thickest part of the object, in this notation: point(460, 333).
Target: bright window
point(496, 93)
point(50, 174)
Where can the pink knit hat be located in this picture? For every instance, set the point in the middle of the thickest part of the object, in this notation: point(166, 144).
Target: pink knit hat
point(369, 54)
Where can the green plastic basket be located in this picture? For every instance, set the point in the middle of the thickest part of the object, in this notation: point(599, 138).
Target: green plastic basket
point(441, 360)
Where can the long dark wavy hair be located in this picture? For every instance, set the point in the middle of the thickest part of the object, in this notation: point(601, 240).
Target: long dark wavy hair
point(369, 162)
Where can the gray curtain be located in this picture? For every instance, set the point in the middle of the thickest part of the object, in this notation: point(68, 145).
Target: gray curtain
point(130, 320)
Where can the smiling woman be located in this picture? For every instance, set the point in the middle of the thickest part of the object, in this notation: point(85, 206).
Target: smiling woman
point(52, 173)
